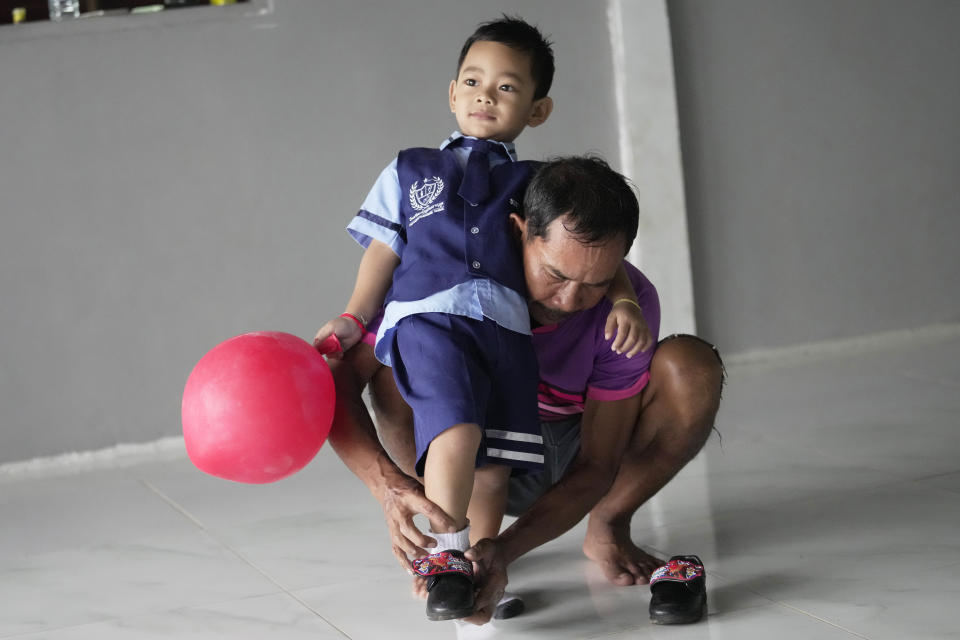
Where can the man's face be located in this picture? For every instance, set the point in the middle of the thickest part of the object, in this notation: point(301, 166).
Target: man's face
point(565, 276)
point(492, 96)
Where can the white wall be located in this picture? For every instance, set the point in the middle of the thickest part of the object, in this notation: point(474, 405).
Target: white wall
point(645, 94)
point(169, 181)
point(821, 151)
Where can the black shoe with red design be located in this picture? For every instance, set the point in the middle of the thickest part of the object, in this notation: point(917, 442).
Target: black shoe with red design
point(449, 584)
point(678, 591)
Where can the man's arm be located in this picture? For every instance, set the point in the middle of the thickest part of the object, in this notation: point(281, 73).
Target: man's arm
point(354, 438)
point(605, 431)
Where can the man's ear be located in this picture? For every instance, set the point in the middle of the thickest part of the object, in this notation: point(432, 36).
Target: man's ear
point(518, 225)
point(541, 110)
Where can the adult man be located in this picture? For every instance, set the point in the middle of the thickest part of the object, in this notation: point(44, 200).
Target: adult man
point(626, 430)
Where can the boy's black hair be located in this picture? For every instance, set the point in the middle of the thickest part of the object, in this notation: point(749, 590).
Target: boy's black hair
point(599, 202)
point(518, 34)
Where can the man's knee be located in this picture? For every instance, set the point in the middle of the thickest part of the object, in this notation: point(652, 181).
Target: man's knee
point(358, 370)
point(349, 384)
point(394, 420)
point(687, 375)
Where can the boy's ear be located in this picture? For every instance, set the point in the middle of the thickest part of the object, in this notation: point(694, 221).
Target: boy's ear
point(453, 85)
point(542, 109)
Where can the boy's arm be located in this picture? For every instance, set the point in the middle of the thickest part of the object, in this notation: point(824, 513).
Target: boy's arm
point(621, 288)
point(373, 281)
point(626, 317)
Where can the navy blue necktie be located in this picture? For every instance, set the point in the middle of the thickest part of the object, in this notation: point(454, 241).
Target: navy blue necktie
point(476, 175)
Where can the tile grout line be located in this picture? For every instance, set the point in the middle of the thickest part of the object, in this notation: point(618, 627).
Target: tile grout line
point(816, 617)
point(788, 606)
point(189, 516)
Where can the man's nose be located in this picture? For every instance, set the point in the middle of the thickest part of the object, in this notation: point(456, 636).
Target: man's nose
point(567, 299)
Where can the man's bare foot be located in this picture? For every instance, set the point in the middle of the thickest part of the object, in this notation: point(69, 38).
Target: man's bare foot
point(622, 562)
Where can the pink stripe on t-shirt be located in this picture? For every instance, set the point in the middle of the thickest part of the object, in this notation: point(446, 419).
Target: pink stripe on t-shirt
point(609, 395)
point(557, 410)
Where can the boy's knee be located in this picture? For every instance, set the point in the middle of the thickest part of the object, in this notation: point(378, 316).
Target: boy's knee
point(463, 438)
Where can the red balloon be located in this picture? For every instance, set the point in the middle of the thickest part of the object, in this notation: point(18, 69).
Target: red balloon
point(257, 407)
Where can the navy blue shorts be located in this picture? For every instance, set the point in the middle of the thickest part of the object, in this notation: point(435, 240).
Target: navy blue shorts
point(452, 369)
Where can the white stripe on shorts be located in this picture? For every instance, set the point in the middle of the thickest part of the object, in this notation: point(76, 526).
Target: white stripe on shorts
point(516, 436)
point(515, 455)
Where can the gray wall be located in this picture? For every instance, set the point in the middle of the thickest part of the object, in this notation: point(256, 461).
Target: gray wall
point(169, 181)
point(822, 163)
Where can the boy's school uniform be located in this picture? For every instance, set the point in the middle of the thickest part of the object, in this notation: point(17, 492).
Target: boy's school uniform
point(458, 259)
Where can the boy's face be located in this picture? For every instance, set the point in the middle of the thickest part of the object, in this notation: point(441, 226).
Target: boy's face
point(492, 96)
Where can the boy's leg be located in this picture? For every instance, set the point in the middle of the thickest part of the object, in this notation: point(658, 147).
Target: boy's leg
point(448, 473)
point(448, 481)
point(488, 501)
point(439, 376)
point(487, 507)
point(677, 414)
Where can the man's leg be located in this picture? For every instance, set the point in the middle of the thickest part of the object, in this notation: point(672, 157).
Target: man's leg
point(355, 440)
point(394, 420)
point(677, 413)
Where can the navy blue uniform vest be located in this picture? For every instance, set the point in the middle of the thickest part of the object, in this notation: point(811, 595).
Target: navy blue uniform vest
point(448, 241)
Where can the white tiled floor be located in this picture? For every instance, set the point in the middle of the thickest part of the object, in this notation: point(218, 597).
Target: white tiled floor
point(830, 510)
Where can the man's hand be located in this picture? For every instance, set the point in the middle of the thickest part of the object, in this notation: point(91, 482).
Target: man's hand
point(490, 568)
point(401, 501)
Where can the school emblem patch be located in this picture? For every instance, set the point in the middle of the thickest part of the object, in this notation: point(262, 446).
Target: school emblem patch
point(423, 196)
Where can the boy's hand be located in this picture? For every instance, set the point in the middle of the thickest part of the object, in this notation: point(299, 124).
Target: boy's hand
point(633, 335)
point(346, 331)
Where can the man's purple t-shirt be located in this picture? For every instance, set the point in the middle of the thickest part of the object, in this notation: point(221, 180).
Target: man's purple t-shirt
point(576, 362)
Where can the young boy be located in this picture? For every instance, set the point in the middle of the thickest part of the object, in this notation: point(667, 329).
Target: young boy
point(456, 327)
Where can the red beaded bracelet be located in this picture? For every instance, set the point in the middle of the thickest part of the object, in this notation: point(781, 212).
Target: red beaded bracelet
point(363, 329)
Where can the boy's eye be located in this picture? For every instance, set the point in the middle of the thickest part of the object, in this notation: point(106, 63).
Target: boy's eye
point(470, 82)
point(507, 87)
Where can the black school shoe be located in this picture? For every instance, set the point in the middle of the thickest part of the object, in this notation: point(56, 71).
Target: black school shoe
point(510, 606)
point(679, 591)
point(449, 584)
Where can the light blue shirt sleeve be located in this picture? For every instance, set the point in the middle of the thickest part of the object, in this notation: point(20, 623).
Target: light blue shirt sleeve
point(379, 215)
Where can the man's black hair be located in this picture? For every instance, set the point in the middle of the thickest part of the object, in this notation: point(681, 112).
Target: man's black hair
point(517, 34)
point(599, 202)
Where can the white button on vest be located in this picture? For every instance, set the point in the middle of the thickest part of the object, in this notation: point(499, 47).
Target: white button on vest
point(474, 230)
point(475, 264)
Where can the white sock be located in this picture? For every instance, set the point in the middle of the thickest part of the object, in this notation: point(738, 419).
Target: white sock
point(459, 540)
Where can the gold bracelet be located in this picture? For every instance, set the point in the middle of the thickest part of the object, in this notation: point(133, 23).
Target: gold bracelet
point(637, 305)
